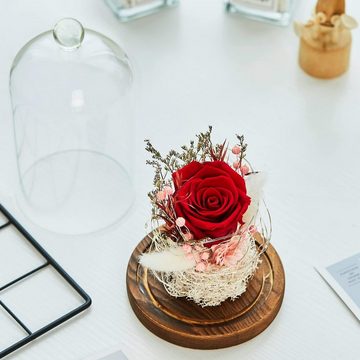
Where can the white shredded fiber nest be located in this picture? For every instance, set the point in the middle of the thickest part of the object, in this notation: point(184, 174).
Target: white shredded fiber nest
point(211, 287)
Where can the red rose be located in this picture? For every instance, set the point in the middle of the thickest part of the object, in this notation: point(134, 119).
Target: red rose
point(211, 197)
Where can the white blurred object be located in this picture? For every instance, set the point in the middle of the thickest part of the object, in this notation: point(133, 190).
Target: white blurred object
point(108, 355)
point(273, 11)
point(127, 10)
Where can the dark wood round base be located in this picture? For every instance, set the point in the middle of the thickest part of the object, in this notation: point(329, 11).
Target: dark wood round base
point(184, 323)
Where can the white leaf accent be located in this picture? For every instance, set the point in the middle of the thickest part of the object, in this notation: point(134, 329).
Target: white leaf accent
point(254, 187)
point(173, 259)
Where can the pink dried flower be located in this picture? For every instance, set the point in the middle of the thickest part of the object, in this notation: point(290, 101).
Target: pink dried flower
point(186, 248)
point(252, 229)
point(236, 164)
point(188, 236)
point(244, 170)
point(236, 150)
point(168, 190)
point(205, 256)
point(201, 266)
point(197, 257)
point(228, 254)
point(180, 222)
point(161, 196)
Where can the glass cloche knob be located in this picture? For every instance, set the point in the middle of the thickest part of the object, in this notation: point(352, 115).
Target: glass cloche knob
point(72, 93)
point(69, 33)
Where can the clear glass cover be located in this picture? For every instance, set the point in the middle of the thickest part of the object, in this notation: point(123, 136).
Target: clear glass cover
point(71, 91)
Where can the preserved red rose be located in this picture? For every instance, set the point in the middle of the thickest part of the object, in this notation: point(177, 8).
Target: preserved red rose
point(211, 197)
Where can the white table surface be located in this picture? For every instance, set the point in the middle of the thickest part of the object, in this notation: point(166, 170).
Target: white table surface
point(197, 66)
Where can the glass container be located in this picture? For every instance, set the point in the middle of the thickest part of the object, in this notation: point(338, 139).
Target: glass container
point(72, 102)
point(127, 10)
point(273, 11)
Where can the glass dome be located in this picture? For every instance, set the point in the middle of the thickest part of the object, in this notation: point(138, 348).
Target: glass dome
point(71, 93)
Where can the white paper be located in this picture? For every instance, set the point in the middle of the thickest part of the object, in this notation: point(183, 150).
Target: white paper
point(344, 278)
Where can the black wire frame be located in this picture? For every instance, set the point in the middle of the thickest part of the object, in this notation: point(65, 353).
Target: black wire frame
point(49, 262)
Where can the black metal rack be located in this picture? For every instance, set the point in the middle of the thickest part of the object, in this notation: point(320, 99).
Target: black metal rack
point(49, 262)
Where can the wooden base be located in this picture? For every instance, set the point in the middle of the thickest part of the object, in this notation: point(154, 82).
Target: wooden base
point(184, 323)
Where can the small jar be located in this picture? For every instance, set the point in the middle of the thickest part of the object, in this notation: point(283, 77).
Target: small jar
point(272, 11)
point(127, 10)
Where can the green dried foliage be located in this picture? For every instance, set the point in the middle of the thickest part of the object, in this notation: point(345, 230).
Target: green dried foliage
point(243, 147)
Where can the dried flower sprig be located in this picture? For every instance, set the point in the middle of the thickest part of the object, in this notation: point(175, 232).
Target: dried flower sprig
point(243, 147)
